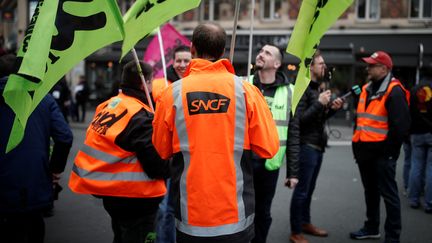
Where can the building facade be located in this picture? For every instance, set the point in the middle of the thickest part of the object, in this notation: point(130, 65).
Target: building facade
point(402, 28)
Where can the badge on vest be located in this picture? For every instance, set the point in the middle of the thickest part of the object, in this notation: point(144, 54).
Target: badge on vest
point(206, 102)
point(114, 102)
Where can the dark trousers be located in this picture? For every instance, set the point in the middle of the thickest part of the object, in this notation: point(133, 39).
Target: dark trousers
point(22, 228)
point(81, 106)
point(132, 219)
point(265, 187)
point(378, 178)
point(309, 167)
point(133, 230)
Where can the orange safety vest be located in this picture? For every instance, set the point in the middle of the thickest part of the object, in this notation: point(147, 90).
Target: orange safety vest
point(372, 121)
point(103, 168)
point(209, 118)
point(158, 85)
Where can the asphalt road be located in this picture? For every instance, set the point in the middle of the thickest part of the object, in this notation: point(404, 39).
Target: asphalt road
point(338, 204)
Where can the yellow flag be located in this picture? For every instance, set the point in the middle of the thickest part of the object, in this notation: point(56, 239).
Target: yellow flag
point(315, 18)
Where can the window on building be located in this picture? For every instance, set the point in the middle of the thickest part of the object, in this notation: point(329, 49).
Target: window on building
point(190, 15)
point(368, 10)
point(271, 9)
point(204, 12)
point(213, 10)
point(420, 9)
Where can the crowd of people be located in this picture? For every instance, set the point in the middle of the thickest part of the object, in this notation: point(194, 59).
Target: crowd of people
point(204, 166)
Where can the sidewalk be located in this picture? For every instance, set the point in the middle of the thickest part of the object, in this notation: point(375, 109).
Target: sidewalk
point(339, 135)
point(83, 125)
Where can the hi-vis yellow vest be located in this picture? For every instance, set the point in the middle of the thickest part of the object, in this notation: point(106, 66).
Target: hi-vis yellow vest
point(280, 109)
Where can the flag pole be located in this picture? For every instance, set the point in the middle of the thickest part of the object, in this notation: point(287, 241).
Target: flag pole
point(234, 33)
point(162, 52)
point(142, 78)
point(251, 38)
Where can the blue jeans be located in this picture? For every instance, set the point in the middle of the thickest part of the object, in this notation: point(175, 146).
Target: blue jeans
point(165, 228)
point(310, 165)
point(407, 164)
point(421, 168)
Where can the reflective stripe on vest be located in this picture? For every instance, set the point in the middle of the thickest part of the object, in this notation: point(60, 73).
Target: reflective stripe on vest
point(243, 222)
point(103, 168)
point(105, 176)
point(280, 110)
point(372, 121)
point(372, 117)
point(108, 158)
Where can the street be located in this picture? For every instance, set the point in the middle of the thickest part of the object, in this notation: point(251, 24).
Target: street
point(338, 204)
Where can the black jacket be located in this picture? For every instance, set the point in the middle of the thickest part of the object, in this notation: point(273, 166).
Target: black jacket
point(420, 109)
point(137, 137)
point(399, 123)
point(269, 90)
point(310, 118)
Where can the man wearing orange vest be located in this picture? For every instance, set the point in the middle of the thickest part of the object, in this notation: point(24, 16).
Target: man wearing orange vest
point(210, 122)
point(382, 123)
point(119, 163)
point(181, 59)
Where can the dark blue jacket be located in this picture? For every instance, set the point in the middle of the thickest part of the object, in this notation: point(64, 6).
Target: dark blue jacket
point(26, 171)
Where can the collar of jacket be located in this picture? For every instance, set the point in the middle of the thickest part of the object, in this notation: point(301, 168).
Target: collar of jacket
point(135, 93)
point(198, 65)
point(383, 85)
point(280, 80)
point(314, 84)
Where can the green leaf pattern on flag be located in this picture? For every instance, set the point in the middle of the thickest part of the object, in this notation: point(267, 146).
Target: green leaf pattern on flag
point(62, 34)
point(146, 15)
point(315, 18)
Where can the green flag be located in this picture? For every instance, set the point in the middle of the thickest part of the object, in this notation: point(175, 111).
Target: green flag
point(61, 34)
point(315, 18)
point(146, 15)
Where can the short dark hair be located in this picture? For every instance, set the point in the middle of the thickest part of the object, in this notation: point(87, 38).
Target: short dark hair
point(130, 76)
point(181, 48)
point(280, 51)
point(209, 40)
point(7, 64)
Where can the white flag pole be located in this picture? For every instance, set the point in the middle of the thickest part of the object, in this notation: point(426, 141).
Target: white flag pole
point(162, 53)
point(251, 38)
point(234, 33)
point(142, 79)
